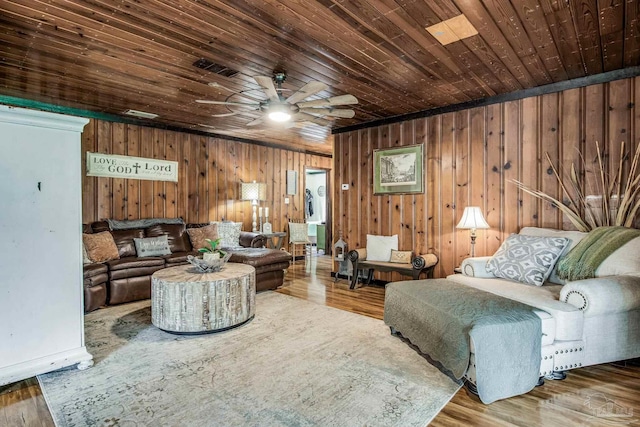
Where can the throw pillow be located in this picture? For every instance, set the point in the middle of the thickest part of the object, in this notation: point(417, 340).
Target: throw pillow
point(527, 259)
point(379, 247)
point(400, 257)
point(229, 233)
point(100, 246)
point(152, 246)
point(623, 261)
point(198, 236)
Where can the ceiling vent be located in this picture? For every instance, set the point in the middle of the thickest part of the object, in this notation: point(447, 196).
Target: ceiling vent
point(211, 66)
point(141, 114)
point(452, 30)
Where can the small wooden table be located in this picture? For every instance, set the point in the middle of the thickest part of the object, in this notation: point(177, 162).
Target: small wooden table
point(275, 240)
point(184, 301)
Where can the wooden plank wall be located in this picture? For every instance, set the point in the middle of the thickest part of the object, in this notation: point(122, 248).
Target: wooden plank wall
point(470, 156)
point(210, 172)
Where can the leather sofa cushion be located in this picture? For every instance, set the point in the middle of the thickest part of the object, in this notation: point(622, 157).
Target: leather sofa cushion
point(176, 235)
point(95, 297)
point(279, 266)
point(91, 270)
point(129, 289)
point(95, 280)
point(134, 272)
point(134, 262)
point(257, 257)
point(99, 226)
point(125, 243)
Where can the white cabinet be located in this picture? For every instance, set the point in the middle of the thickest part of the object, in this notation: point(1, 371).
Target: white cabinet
point(41, 309)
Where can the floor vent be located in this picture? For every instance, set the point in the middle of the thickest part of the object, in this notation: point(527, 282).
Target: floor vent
point(208, 65)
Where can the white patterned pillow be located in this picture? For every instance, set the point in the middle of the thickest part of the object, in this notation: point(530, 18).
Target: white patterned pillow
point(229, 233)
point(298, 232)
point(527, 259)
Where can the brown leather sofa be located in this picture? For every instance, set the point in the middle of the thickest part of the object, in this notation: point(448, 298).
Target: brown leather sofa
point(129, 277)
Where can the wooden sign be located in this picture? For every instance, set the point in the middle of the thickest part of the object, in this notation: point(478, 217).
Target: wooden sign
point(114, 166)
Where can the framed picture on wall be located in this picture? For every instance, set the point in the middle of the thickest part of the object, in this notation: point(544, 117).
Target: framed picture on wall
point(398, 170)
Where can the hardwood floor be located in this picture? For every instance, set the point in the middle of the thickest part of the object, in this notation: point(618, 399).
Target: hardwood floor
point(610, 387)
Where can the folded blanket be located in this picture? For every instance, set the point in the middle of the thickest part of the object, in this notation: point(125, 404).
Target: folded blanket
point(128, 224)
point(583, 260)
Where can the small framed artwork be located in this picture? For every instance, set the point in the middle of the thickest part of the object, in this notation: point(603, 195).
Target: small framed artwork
point(398, 170)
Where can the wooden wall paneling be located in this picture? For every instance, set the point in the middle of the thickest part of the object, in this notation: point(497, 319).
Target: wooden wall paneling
point(260, 156)
point(170, 188)
point(89, 183)
point(159, 194)
point(462, 166)
point(494, 177)
point(530, 206)
point(447, 204)
point(119, 185)
point(376, 202)
point(292, 212)
point(391, 212)
point(231, 182)
point(619, 122)
point(407, 237)
point(181, 193)
point(549, 135)
point(203, 178)
point(365, 189)
point(571, 145)
point(104, 193)
point(277, 174)
point(595, 117)
point(193, 203)
point(511, 167)
point(420, 206)
point(146, 187)
point(477, 177)
point(434, 202)
point(133, 185)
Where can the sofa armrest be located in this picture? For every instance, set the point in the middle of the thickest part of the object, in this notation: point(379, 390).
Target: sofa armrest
point(476, 267)
point(359, 254)
point(249, 239)
point(424, 261)
point(603, 295)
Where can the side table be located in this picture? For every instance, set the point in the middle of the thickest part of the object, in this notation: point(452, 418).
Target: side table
point(275, 240)
point(184, 301)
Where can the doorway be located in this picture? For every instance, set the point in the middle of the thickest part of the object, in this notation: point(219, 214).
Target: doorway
point(317, 208)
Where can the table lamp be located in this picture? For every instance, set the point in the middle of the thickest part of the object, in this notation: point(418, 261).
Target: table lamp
point(254, 191)
point(472, 219)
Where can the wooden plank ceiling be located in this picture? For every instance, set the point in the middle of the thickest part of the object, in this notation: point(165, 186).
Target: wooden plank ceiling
point(108, 56)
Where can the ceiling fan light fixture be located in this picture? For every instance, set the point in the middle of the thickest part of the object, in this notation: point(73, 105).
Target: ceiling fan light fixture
point(279, 113)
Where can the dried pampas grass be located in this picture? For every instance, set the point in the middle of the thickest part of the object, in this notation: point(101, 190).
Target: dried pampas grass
point(615, 202)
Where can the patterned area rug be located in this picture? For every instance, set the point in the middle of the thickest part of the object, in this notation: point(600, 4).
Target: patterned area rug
point(296, 364)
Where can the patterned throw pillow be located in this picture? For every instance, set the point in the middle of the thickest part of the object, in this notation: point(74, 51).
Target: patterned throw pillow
point(527, 259)
point(298, 232)
point(229, 233)
point(379, 247)
point(400, 257)
point(100, 246)
point(199, 235)
point(152, 246)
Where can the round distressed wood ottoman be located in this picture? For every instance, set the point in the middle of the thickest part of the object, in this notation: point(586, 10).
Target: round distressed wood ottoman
point(184, 301)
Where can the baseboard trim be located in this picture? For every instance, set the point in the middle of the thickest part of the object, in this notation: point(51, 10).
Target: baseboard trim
point(31, 368)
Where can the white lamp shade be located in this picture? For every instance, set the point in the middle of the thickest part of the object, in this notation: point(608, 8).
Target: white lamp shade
point(253, 191)
point(472, 218)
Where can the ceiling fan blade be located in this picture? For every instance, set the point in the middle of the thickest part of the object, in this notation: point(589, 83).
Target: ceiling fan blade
point(255, 122)
point(267, 86)
point(311, 118)
point(225, 114)
point(306, 91)
point(334, 100)
point(239, 104)
point(344, 114)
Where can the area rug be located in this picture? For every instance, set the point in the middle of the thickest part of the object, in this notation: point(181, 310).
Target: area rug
point(296, 364)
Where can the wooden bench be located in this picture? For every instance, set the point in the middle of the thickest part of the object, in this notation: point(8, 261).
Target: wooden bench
point(419, 264)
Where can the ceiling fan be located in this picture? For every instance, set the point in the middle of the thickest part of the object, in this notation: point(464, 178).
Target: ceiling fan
point(293, 108)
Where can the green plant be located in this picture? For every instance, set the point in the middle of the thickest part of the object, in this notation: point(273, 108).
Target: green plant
point(213, 247)
point(616, 199)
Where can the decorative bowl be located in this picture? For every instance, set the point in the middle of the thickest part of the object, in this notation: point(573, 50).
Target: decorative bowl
point(210, 266)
